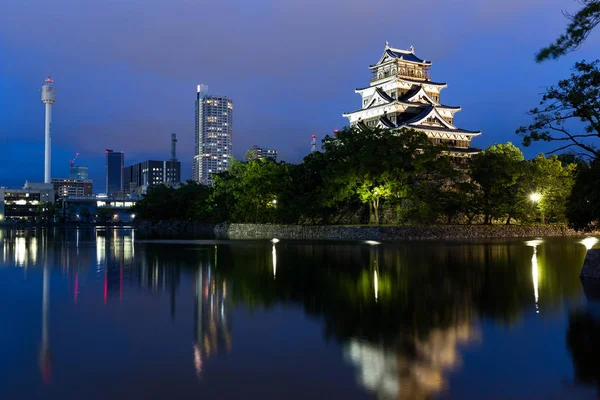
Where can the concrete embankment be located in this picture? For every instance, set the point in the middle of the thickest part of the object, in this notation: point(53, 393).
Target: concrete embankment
point(176, 229)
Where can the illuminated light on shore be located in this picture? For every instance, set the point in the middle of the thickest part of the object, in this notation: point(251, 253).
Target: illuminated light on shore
point(274, 240)
point(589, 242)
point(372, 242)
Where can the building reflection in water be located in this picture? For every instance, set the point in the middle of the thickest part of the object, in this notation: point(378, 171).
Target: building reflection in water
point(212, 325)
point(45, 357)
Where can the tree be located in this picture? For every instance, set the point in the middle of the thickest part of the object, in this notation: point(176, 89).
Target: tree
point(85, 214)
point(250, 191)
point(105, 215)
point(498, 171)
point(581, 25)
point(573, 99)
point(373, 165)
point(157, 204)
point(583, 204)
point(554, 182)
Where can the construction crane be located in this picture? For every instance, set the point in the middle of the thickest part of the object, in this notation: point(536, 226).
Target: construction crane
point(72, 162)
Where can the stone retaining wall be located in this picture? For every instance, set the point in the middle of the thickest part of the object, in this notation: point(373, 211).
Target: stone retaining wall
point(340, 232)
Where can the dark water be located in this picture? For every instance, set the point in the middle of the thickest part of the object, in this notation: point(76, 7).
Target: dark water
point(94, 315)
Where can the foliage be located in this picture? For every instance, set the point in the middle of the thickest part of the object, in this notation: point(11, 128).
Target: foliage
point(575, 99)
point(162, 203)
point(250, 191)
point(391, 176)
point(375, 165)
point(498, 171)
point(581, 25)
point(583, 205)
point(554, 182)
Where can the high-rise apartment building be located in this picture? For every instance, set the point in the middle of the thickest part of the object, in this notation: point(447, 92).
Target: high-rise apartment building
point(257, 152)
point(140, 176)
point(114, 172)
point(214, 127)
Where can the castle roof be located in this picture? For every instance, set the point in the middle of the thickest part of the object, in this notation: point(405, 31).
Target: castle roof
point(400, 78)
point(391, 53)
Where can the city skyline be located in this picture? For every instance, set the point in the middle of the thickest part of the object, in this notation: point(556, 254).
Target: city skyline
point(142, 83)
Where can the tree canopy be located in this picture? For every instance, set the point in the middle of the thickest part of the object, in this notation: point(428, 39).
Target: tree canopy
point(569, 113)
point(580, 26)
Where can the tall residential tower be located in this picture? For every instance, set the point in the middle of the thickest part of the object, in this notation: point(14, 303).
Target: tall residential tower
point(401, 94)
point(214, 127)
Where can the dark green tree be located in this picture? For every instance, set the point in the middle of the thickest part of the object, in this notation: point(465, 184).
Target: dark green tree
point(583, 204)
point(157, 205)
point(377, 165)
point(497, 172)
point(576, 99)
point(553, 181)
point(581, 25)
point(251, 191)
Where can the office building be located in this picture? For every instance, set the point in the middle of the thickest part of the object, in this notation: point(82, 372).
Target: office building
point(261, 152)
point(79, 173)
point(401, 94)
point(213, 136)
point(139, 177)
point(114, 172)
point(71, 187)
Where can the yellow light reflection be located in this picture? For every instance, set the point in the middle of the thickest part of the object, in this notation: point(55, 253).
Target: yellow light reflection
point(274, 261)
point(376, 281)
point(20, 251)
point(100, 250)
point(535, 272)
point(33, 250)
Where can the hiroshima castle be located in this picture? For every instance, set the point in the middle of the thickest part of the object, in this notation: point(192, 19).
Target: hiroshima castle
point(402, 95)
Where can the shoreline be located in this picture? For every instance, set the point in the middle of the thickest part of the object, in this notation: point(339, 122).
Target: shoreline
point(196, 230)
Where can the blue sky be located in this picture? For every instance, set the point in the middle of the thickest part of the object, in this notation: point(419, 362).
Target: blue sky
point(126, 70)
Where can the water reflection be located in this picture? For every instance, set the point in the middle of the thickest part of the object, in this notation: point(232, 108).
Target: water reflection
point(535, 271)
point(403, 314)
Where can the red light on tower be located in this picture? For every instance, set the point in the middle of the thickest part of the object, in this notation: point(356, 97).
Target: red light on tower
point(313, 143)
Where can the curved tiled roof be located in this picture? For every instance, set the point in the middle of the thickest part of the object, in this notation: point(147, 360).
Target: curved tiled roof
point(406, 57)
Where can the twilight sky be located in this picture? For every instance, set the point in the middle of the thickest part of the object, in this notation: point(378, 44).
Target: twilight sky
point(126, 70)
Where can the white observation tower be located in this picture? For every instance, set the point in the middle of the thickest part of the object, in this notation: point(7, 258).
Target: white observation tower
point(48, 98)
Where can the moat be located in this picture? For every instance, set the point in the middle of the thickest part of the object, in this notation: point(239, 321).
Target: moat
point(97, 314)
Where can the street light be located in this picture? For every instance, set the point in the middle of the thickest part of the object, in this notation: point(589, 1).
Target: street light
point(535, 197)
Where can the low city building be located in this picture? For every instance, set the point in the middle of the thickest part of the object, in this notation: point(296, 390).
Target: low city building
point(257, 152)
point(24, 204)
point(71, 187)
point(139, 177)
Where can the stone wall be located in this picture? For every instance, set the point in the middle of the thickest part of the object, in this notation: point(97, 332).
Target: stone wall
point(176, 229)
point(437, 232)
